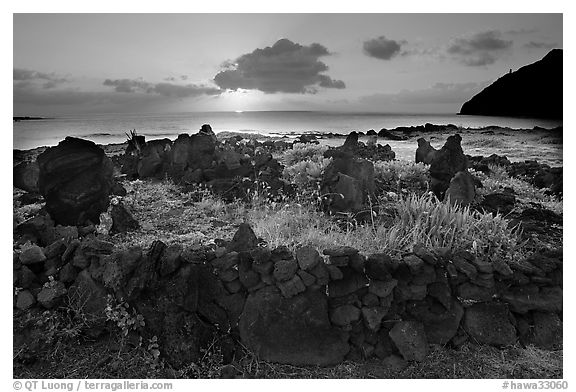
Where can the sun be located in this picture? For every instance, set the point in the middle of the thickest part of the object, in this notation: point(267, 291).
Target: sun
point(239, 111)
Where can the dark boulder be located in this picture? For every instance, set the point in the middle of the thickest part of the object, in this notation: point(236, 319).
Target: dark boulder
point(410, 339)
point(349, 184)
point(153, 160)
point(489, 323)
point(75, 179)
point(26, 176)
point(293, 330)
point(122, 220)
point(447, 161)
point(425, 153)
point(461, 190)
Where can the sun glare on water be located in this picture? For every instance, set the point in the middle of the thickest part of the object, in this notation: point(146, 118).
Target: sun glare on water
point(239, 111)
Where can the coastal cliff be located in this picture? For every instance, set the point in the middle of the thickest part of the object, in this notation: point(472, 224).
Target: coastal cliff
point(534, 90)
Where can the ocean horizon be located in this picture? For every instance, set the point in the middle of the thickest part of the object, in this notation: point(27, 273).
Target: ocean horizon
point(111, 127)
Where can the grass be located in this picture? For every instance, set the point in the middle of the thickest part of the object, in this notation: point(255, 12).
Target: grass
point(409, 220)
point(168, 214)
point(526, 193)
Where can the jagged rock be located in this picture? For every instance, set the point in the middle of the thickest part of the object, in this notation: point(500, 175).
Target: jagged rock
point(25, 277)
point(26, 176)
point(307, 279)
point(441, 292)
point(382, 289)
point(489, 323)
point(413, 262)
point(153, 159)
point(448, 161)
point(55, 249)
point(425, 153)
point(75, 179)
point(51, 295)
point(470, 291)
point(226, 262)
point(295, 331)
point(461, 189)
point(502, 267)
point(522, 299)
point(321, 273)
point(335, 272)
point(423, 253)
point(373, 316)
point(410, 339)
point(349, 182)
point(307, 257)
point(25, 300)
point(248, 277)
point(68, 273)
point(88, 296)
point(464, 266)
point(261, 255)
point(170, 260)
point(351, 282)
point(378, 266)
point(122, 220)
point(285, 269)
point(546, 331)
point(243, 240)
point(440, 322)
point(32, 255)
point(345, 315)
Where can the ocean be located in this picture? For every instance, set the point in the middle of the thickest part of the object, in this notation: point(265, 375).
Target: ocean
point(111, 128)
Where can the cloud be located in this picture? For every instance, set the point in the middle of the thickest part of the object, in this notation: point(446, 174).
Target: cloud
point(439, 93)
point(128, 85)
point(541, 45)
point(138, 86)
point(382, 48)
point(479, 49)
point(521, 31)
point(47, 80)
point(285, 67)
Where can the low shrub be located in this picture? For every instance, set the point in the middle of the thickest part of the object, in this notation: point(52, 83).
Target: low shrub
point(302, 152)
point(402, 176)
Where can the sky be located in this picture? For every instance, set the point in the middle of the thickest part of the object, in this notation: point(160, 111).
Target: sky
point(67, 64)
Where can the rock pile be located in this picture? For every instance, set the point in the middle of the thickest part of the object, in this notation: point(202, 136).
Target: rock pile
point(201, 159)
point(375, 152)
point(299, 308)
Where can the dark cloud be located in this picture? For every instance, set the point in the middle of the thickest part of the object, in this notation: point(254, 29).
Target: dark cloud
point(135, 86)
point(382, 48)
point(128, 85)
point(479, 49)
point(439, 93)
point(541, 45)
point(283, 67)
point(47, 80)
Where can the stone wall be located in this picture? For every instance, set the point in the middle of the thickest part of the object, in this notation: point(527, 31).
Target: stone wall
point(298, 308)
